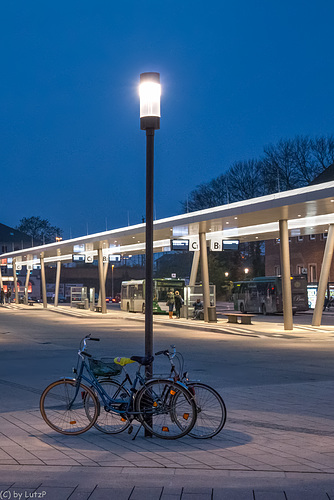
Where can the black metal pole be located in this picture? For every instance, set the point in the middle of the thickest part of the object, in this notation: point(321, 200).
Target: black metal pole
point(149, 248)
point(149, 256)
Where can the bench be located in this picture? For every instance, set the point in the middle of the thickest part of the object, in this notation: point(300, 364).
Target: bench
point(245, 319)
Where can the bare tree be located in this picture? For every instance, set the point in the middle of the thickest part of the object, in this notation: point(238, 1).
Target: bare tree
point(207, 195)
point(244, 180)
point(39, 229)
point(323, 152)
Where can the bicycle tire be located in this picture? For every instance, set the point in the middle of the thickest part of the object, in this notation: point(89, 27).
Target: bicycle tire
point(56, 413)
point(111, 422)
point(211, 411)
point(166, 409)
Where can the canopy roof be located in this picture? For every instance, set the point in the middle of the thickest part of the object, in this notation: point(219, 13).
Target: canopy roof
point(309, 210)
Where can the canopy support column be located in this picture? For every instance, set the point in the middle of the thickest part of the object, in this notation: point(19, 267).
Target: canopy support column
point(102, 282)
point(324, 275)
point(26, 287)
point(43, 282)
point(15, 282)
point(205, 275)
point(57, 281)
point(1, 283)
point(285, 272)
point(194, 269)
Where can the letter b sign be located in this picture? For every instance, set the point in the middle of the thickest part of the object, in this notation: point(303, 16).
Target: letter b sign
point(216, 245)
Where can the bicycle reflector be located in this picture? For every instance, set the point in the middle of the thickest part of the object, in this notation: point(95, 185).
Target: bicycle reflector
point(123, 419)
point(172, 392)
point(73, 422)
point(186, 416)
point(155, 404)
point(165, 429)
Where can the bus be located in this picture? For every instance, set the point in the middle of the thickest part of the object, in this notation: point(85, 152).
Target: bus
point(264, 295)
point(133, 294)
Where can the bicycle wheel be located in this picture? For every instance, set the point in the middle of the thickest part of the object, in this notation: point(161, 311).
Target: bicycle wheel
point(111, 422)
point(211, 411)
point(63, 407)
point(167, 409)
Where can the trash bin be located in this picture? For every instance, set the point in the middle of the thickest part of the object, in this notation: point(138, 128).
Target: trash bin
point(86, 303)
point(212, 315)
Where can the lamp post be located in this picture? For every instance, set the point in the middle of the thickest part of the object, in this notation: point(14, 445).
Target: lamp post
point(149, 91)
point(112, 281)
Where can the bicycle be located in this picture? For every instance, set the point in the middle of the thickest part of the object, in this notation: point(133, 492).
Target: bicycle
point(210, 406)
point(164, 408)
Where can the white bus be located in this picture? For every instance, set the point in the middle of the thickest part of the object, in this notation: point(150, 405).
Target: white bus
point(133, 294)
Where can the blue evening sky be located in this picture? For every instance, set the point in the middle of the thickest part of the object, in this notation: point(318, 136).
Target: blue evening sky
point(236, 76)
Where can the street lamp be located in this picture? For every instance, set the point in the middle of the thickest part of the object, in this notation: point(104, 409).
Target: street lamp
point(226, 274)
point(149, 91)
point(246, 270)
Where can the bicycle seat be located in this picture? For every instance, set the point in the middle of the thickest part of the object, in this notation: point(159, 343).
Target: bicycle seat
point(143, 360)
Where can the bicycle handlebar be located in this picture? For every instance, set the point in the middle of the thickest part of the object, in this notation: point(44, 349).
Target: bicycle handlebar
point(86, 354)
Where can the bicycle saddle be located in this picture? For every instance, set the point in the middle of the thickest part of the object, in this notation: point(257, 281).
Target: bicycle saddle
point(143, 360)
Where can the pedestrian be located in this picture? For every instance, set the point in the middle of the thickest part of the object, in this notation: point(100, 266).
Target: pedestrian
point(2, 299)
point(198, 308)
point(8, 295)
point(326, 304)
point(178, 303)
point(170, 302)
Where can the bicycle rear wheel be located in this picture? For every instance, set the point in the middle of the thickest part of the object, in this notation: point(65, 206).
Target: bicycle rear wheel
point(111, 422)
point(211, 411)
point(167, 409)
point(63, 407)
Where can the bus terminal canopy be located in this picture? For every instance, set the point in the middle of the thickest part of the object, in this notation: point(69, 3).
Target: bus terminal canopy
point(308, 210)
point(302, 211)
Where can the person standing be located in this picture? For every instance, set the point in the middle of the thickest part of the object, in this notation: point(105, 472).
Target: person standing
point(170, 303)
point(2, 296)
point(178, 303)
point(8, 295)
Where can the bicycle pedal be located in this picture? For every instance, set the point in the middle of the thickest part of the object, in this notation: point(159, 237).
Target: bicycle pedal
point(130, 429)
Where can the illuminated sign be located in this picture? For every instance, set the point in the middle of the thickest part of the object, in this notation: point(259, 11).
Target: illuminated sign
point(230, 244)
point(179, 244)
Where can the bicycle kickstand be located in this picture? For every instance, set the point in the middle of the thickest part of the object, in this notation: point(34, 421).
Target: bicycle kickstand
point(134, 437)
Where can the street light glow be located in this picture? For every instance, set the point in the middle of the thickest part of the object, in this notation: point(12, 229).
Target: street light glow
point(150, 92)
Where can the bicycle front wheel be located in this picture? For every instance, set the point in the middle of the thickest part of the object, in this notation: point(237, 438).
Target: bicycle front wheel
point(111, 422)
point(211, 411)
point(166, 409)
point(63, 407)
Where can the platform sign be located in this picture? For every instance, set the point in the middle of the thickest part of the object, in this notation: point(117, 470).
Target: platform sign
point(216, 245)
point(193, 243)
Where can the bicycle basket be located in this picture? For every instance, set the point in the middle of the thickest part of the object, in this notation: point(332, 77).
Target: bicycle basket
point(104, 367)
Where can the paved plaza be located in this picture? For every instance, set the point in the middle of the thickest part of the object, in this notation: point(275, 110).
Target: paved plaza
point(278, 441)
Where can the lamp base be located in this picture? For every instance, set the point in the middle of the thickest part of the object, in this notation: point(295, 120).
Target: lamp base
point(152, 122)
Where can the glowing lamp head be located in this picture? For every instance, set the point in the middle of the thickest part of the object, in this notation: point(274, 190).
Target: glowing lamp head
point(150, 91)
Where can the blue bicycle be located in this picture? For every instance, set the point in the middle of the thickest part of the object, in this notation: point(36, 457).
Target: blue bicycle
point(164, 407)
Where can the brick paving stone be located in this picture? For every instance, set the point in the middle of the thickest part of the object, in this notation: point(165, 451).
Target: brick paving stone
point(140, 493)
point(305, 494)
point(54, 493)
point(192, 493)
point(80, 494)
point(269, 495)
point(110, 493)
point(232, 494)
